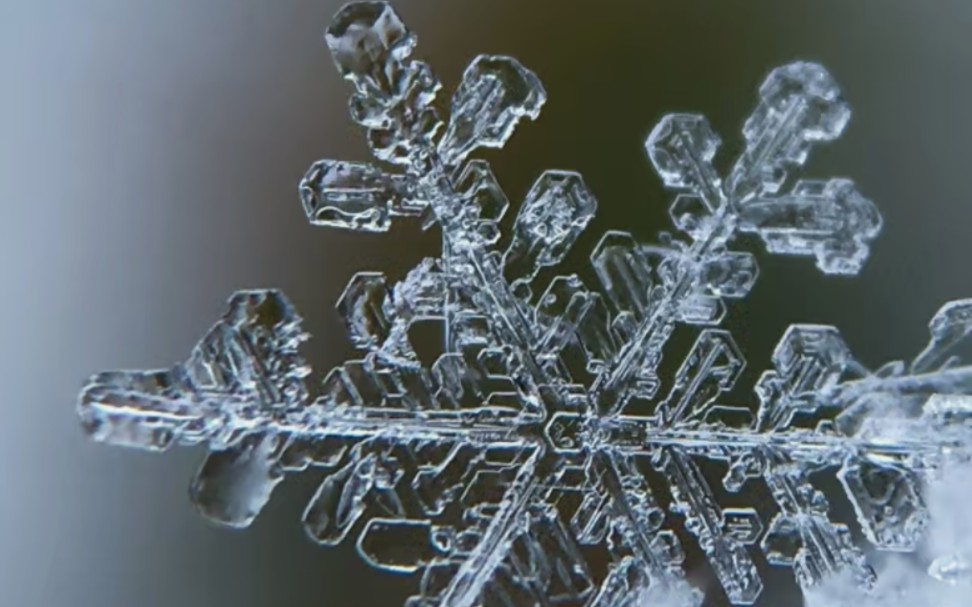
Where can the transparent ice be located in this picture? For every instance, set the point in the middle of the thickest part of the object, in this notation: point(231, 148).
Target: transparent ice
point(500, 473)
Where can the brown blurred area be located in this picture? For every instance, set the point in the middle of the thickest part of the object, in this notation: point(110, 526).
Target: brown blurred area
point(149, 156)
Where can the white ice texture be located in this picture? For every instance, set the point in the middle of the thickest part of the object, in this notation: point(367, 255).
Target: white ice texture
point(513, 471)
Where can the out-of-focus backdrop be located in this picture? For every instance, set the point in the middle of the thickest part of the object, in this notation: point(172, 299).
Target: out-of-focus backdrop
point(149, 156)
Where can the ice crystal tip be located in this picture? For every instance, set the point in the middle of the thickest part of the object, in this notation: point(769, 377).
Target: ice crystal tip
point(490, 472)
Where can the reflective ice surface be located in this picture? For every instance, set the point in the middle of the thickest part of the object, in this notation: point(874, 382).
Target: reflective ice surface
point(497, 474)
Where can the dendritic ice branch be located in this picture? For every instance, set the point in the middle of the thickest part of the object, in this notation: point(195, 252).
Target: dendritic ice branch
point(505, 472)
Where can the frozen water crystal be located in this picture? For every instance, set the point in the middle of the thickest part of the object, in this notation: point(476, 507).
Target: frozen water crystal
point(496, 473)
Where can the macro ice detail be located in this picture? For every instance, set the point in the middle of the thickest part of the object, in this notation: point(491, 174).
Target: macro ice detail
point(511, 469)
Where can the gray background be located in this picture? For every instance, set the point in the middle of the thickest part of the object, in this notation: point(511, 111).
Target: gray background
point(149, 155)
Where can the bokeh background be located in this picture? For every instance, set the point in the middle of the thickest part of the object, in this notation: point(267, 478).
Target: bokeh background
point(149, 156)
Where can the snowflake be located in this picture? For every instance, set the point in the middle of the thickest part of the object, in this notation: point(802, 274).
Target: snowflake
point(502, 472)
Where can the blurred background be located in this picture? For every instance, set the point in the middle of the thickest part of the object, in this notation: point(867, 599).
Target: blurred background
point(149, 157)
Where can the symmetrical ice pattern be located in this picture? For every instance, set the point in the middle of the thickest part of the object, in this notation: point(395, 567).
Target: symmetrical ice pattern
point(511, 470)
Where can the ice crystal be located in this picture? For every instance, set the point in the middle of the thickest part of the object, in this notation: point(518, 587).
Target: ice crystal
point(499, 472)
